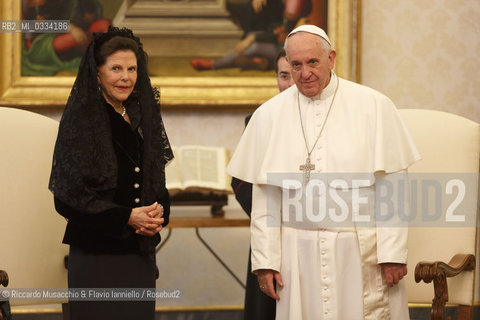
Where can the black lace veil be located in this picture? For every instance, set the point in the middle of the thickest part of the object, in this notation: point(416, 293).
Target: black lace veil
point(84, 169)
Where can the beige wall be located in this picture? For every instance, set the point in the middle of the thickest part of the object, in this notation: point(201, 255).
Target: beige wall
point(212, 129)
point(424, 53)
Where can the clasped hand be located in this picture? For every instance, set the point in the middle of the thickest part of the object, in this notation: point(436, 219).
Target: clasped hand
point(147, 220)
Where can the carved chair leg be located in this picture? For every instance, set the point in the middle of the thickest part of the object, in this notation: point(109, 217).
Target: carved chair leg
point(3, 282)
point(441, 296)
point(438, 272)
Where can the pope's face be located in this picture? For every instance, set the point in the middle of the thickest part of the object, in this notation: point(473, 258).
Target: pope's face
point(311, 63)
point(118, 76)
point(284, 74)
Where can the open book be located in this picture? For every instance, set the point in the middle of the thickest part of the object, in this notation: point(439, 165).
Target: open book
point(199, 169)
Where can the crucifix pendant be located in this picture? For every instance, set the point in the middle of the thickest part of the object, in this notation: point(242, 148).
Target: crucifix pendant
point(306, 168)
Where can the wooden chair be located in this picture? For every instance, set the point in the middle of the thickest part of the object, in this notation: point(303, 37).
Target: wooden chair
point(448, 144)
point(31, 248)
point(4, 305)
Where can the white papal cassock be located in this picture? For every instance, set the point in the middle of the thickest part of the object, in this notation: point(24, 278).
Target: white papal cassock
point(328, 272)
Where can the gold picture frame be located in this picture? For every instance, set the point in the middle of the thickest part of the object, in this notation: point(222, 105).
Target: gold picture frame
point(177, 93)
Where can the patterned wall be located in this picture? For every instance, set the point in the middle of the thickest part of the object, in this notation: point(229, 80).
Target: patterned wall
point(424, 53)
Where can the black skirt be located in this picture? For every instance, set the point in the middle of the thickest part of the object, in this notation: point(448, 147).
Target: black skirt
point(89, 269)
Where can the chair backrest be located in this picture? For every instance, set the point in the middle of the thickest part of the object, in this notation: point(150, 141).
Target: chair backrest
point(448, 144)
point(31, 231)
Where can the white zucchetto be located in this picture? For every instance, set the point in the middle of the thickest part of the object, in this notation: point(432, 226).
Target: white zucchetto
point(310, 28)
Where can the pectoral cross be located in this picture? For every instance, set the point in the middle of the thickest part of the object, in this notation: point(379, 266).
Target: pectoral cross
point(306, 168)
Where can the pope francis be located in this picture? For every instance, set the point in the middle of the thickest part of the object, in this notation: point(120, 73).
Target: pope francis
point(320, 126)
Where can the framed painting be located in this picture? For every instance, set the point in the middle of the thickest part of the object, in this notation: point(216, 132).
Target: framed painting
point(182, 86)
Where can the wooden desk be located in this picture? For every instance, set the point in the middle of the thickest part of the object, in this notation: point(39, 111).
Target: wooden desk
point(210, 222)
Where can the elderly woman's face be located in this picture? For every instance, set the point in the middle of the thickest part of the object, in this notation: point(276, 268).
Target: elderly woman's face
point(118, 76)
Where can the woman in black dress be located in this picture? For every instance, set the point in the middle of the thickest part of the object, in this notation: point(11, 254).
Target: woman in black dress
point(108, 177)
